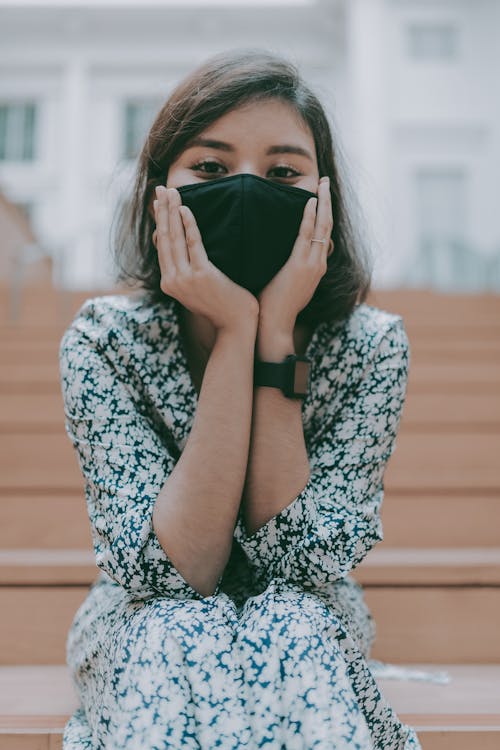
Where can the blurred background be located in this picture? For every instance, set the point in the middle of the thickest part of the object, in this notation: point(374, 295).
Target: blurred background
point(408, 86)
point(411, 91)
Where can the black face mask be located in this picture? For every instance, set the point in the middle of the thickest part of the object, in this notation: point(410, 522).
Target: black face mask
point(248, 225)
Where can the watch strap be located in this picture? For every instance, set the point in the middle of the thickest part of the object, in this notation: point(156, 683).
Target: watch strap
point(270, 373)
point(282, 375)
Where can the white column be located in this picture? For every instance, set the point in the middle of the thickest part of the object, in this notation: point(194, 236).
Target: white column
point(366, 134)
point(76, 261)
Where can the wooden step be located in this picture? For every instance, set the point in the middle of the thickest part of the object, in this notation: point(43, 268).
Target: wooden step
point(446, 519)
point(448, 350)
point(28, 335)
point(24, 412)
point(481, 334)
point(36, 306)
point(435, 623)
point(428, 346)
point(439, 308)
point(425, 377)
point(54, 520)
point(19, 351)
point(45, 461)
point(18, 377)
point(477, 411)
point(428, 461)
point(47, 306)
point(425, 603)
point(43, 305)
point(31, 412)
point(462, 714)
point(392, 566)
point(432, 461)
point(46, 520)
point(35, 622)
point(383, 566)
point(484, 329)
point(46, 567)
point(439, 377)
point(37, 701)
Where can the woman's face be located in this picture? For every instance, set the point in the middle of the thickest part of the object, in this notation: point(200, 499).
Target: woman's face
point(264, 138)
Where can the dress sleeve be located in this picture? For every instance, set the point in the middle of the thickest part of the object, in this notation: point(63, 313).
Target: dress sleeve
point(124, 463)
point(331, 525)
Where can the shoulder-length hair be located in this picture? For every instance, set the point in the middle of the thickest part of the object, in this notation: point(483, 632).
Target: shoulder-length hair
point(222, 83)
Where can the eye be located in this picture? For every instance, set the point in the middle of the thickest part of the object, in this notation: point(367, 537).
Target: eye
point(286, 168)
point(198, 167)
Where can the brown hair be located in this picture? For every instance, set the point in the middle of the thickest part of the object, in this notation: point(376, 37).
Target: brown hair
point(219, 85)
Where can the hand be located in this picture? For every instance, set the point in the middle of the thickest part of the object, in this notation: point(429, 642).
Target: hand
point(186, 272)
point(294, 284)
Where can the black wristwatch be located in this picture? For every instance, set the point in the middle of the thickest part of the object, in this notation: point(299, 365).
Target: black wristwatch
point(291, 375)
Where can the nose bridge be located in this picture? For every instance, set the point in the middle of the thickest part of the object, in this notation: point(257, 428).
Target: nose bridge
point(247, 166)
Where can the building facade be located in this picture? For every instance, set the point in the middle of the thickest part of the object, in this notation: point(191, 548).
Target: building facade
point(408, 86)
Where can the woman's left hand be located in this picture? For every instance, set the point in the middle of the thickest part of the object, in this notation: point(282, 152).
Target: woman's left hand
point(293, 286)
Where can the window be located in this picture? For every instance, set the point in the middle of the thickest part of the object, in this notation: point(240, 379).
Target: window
point(17, 131)
point(432, 41)
point(138, 116)
point(445, 258)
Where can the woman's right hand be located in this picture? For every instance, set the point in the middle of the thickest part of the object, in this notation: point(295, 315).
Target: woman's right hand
point(186, 271)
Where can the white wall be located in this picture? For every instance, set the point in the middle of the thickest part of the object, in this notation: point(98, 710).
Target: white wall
point(394, 115)
point(443, 114)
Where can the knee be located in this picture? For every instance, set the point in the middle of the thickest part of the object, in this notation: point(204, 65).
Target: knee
point(287, 612)
point(164, 625)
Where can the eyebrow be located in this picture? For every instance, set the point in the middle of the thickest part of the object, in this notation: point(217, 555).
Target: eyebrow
point(284, 148)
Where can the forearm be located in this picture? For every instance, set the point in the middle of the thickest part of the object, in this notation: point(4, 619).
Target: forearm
point(196, 509)
point(278, 465)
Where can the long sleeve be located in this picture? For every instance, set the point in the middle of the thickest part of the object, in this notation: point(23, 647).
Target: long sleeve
point(124, 462)
point(335, 520)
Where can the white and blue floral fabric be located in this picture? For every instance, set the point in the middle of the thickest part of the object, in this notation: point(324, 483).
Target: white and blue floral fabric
point(278, 656)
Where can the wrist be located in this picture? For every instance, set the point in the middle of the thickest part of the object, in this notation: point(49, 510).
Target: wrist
point(246, 328)
point(274, 347)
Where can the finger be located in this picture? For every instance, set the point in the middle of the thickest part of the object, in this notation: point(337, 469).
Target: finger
point(324, 224)
point(176, 231)
point(196, 250)
point(303, 241)
point(162, 236)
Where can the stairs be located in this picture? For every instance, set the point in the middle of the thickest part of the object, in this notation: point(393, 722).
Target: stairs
point(37, 701)
point(433, 584)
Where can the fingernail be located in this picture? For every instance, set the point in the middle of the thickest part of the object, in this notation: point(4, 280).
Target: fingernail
point(325, 179)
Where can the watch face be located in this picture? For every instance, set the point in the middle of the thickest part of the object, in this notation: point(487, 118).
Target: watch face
point(301, 376)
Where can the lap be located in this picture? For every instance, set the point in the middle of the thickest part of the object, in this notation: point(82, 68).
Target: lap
point(163, 663)
point(337, 607)
point(110, 618)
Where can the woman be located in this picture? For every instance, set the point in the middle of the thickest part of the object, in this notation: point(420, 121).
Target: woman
point(228, 507)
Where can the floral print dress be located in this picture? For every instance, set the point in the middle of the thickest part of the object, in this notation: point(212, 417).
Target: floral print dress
point(278, 656)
